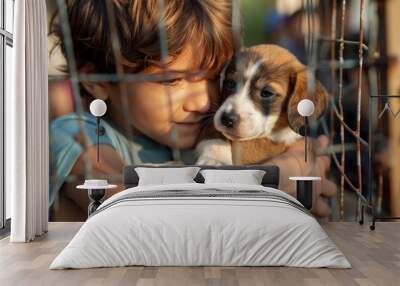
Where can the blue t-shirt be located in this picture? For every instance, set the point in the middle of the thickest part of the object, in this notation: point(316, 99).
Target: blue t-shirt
point(65, 150)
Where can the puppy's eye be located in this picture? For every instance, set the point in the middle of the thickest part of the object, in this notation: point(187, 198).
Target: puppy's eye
point(230, 84)
point(267, 93)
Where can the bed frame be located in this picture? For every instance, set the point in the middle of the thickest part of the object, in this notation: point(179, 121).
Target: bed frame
point(270, 179)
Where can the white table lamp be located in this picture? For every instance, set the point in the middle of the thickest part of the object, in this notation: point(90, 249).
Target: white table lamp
point(305, 108)
point(98, 108)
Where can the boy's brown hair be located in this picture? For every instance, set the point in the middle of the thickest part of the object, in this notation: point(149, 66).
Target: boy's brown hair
point(207, 24)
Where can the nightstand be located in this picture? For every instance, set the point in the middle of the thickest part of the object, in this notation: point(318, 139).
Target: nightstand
point(304, 190)
point(96, 191)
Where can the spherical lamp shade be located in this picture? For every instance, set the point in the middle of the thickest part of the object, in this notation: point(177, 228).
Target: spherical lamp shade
point(98, 107)
point(305, 107)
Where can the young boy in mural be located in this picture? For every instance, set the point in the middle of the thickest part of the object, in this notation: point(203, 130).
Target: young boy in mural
point(199, 38)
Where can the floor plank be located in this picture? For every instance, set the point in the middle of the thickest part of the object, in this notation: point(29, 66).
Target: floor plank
point(374, 255)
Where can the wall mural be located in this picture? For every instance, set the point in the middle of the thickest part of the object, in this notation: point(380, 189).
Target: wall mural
point(219, 89)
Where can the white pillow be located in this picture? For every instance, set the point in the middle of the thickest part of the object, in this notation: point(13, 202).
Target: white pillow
point(162, 176)
point(248, 177)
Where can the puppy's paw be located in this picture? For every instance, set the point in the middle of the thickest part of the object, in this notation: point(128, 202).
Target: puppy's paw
point(214, 152)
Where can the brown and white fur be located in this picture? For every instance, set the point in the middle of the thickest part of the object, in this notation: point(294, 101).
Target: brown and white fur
point(257, 117)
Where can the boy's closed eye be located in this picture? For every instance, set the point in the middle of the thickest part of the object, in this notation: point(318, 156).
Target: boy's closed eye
point(171, 82)
point(176, 77)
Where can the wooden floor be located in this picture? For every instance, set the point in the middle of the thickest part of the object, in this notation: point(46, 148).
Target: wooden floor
point(374, 255)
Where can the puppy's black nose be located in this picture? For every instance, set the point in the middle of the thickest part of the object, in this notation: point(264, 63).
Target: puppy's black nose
point(228, 119)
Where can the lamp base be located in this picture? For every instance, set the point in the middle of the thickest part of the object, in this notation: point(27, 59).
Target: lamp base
point(95, 196)
point(304, 190)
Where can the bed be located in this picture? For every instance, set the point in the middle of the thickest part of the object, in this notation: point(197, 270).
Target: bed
point(201, 224)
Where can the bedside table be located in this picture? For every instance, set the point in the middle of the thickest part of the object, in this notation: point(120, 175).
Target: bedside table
point(96, 191)
point(304, 190)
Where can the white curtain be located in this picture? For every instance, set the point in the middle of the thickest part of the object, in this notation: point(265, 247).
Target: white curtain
point(27, 139)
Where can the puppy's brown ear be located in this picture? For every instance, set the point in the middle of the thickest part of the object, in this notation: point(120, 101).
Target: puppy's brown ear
point(319, 97)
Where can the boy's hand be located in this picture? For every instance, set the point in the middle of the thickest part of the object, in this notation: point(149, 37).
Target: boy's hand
point(292, 163)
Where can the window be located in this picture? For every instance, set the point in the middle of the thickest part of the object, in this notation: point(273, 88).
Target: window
point(6, 64)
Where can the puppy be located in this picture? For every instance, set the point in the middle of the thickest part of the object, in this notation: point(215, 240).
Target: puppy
point(256, 117)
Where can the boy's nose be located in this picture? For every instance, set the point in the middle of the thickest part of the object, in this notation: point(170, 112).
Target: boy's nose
point(197, 101)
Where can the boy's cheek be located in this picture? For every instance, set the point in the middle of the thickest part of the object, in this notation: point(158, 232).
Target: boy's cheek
point(158, 129)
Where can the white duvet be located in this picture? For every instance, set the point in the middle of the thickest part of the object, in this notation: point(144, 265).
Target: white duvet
point(183, 231)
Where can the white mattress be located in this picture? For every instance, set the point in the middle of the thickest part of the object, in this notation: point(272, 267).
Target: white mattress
point(183, 231)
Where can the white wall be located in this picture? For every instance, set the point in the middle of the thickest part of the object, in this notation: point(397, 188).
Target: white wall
point(9, 69)
point(9, 25)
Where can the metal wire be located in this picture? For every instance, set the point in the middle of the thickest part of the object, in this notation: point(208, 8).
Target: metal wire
point(164, 58)
point(333, 66)
point(236, 30)
point(129, 77)
point(116, 47)
point(311, 51)
point(359, 97)
point(341, 111)
point(73, 72)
